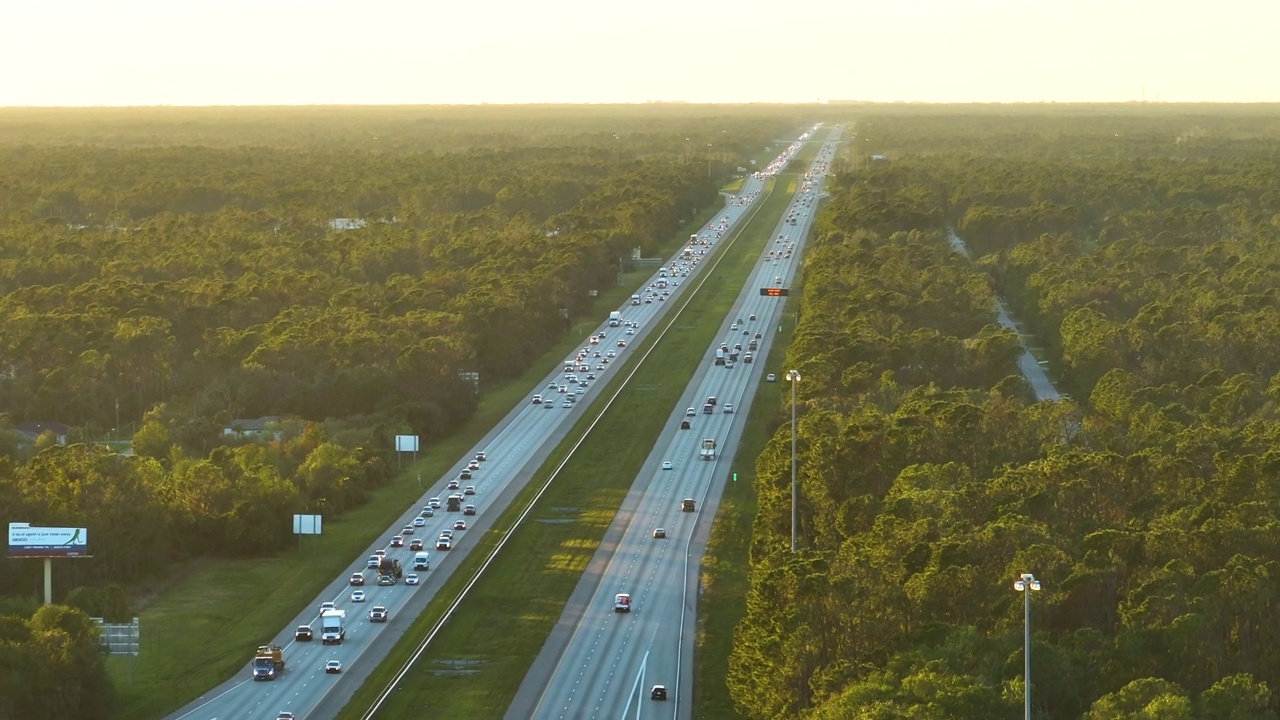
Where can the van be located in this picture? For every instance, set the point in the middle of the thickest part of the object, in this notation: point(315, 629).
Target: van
point(421, 561)
point(708, 409)
point(687, 505)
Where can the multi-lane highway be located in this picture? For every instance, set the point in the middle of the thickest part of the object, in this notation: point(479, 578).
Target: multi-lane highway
point(606, 664)
point(514, 450)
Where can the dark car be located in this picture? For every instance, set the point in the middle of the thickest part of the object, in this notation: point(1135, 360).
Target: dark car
point(684, 424)
point(303, 633)
point(659, 692)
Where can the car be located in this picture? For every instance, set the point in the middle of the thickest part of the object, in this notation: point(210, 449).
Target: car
point(622, 343)
point(411, 579)
point(684, 424)
point(469, 490)
point(564, 388)
point(416, 544)
point(397, 541)
point(446, 533)
point(356, 579)
point(434, 503)
point(752, 317)
point(427, 512)
point(419, 521)
point(357, 596)
point(406, 530)
point(659, 533)
point(459, 524)
point(379, 553)
point(590, 376)
point(631, 331)
point(622, 603)
point(469, 510)
point(303, 633)
point(454, 485)
point(378, 614)
point(747, 358)
point(284, 715)
point(373, 561)
point(758, 336)
point(733, 326)
point(728, 408)
point(443, 543)
point(537, 399)
point(777, 279)
point(659, 692)
point(333, 667)
point(552, 385)
point(567, 404)
point(464, 475)
point(771, 378)
point(385, 580)
point(473, 465)
point(666, 465)
point(329, 605)
point(548, 405)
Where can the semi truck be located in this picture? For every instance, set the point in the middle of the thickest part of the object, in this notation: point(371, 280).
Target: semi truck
point(268, 662)
point(333, 627)
point(635, 299)
point(389, 570)
point(615, 318)
point(709, 449)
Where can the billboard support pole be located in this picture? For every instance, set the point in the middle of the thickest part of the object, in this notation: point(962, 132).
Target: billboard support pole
point(48, 581)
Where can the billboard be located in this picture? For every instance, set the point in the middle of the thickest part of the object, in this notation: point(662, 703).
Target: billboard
point(27, 541)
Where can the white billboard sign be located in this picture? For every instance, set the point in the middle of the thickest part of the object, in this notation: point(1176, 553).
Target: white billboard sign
point(28, 541)
point(306, 525)
point(406, 443)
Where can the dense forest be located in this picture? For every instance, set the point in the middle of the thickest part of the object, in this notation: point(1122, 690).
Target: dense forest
point(169, 275)
point(1139, 250)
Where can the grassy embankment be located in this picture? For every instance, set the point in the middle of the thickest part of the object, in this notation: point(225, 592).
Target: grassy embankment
point(200, 628)
point(543, 563)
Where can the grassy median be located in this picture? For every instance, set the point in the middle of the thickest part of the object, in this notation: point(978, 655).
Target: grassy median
point(475, 665)
point(201, 627)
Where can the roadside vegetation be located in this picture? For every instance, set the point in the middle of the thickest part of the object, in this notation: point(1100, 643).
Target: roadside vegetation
point(1140, 249)
point(251, 305)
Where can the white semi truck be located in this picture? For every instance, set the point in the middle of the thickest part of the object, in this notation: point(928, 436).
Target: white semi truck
point(709, 449)
point(333, 627)
point(615, 318)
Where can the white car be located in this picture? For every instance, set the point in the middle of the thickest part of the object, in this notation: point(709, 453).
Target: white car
point(690, 412)
point(666, 465)
point(411, 579)
point(328, 606)
point(728, 408)
point(419, 521)
point(357, 596)
point(434, 503)
point(333, 666)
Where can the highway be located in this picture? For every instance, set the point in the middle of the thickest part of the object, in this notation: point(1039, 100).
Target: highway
point(515, 449)
point(602, 663)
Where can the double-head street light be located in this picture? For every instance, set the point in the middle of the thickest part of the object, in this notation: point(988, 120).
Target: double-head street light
point(1025, 584)
point(794, 378)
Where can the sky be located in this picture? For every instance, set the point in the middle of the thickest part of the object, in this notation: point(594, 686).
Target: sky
point(289, 52)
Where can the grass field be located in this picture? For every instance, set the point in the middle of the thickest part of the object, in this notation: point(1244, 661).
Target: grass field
point(546, 559)
point(232, 606)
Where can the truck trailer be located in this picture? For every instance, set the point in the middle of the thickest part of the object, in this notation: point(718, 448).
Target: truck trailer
point(333, 627)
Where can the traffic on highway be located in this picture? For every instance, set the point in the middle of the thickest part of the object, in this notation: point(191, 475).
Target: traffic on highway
point(312, 667)
point(636, 662)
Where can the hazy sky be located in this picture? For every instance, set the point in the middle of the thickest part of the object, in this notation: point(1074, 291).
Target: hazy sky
point(228, 52)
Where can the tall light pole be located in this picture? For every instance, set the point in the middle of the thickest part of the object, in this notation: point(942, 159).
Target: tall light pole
point(1025, 585)
point(794, 377)
point(708, 159)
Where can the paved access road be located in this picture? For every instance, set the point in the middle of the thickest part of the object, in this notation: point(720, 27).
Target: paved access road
point(603, 664)
point(514, 449)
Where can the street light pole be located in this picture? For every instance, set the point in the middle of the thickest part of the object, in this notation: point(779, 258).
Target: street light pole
point(794, 377)
point(1025, 584)
point(708, 159)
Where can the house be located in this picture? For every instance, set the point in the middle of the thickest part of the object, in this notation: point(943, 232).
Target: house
point(32, 430)
point(266, 427)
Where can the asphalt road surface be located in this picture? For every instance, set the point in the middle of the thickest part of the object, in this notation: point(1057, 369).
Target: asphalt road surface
point(515, 449)
point(599, 663)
